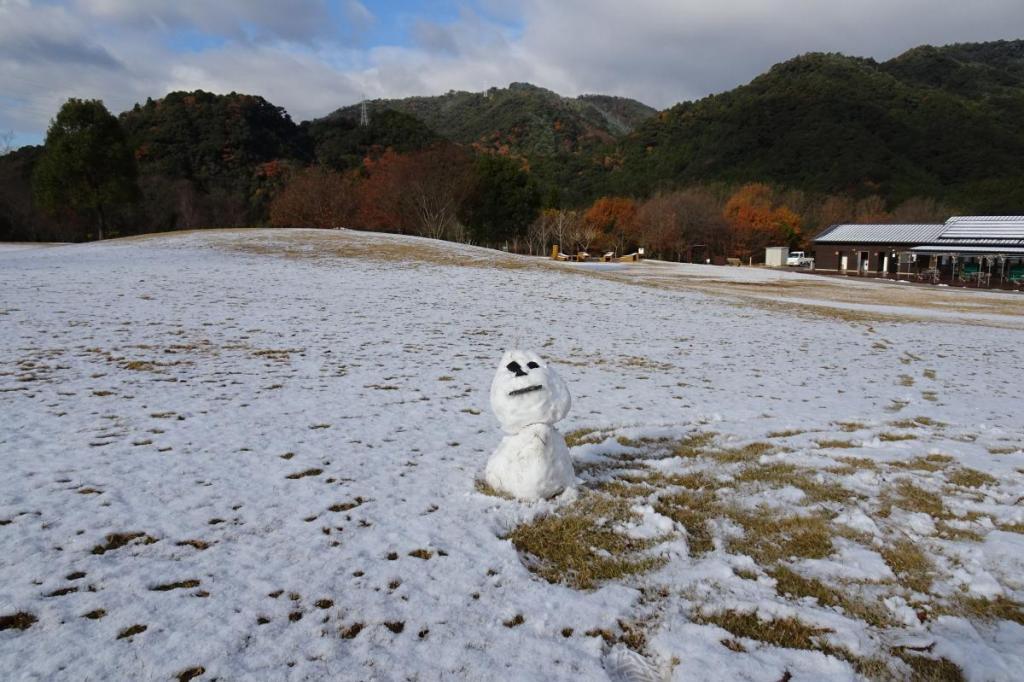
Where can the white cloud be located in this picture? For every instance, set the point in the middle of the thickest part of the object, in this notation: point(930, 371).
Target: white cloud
point(307, 55)
point(296, 20)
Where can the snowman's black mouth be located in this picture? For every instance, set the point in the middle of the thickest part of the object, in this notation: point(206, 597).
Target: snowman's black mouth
point(528, 389)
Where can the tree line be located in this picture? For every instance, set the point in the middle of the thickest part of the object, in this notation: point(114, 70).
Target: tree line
point(92, 179)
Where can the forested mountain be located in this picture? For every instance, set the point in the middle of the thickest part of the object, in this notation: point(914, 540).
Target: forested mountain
point(944, 124)
point(940, 122)
point(522, 119)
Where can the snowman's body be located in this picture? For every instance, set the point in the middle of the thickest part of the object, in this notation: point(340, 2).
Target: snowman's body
point(532, 462)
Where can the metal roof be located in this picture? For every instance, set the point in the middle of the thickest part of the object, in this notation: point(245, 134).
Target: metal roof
point(880, 234)
point(957, 249)
point(985, 219)
point(1007, 229)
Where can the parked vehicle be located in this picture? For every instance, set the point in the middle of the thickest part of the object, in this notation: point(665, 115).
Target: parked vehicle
point(799, 260)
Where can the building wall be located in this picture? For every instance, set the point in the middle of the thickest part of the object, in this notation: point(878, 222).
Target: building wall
point(828, 257)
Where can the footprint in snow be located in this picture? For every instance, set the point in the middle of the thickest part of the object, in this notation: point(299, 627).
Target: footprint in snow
point(625, 665)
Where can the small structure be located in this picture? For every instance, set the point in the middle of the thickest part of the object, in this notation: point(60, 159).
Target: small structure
point(775, 256)
point(965, 250)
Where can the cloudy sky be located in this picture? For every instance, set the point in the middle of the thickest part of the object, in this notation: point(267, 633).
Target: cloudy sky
point(312, 56)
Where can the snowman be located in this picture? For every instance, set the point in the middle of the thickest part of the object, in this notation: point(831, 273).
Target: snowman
point(532, 462)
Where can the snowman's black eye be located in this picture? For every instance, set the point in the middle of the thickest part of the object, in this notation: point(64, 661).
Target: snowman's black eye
point(532, 365)
point(515, 368)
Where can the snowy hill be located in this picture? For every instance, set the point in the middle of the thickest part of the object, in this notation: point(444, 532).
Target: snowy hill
point(254, 455)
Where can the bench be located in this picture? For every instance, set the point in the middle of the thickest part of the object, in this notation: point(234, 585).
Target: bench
point(969, 271)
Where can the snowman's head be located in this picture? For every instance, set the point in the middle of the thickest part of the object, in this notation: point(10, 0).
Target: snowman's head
point(526, 391)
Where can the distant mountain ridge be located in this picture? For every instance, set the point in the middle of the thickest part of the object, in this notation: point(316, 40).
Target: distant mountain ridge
point(940, 122)
point(945, 122)
point(522, 119)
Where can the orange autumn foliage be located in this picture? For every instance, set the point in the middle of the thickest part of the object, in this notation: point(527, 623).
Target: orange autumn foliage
point(615, 219)
point(756, 220)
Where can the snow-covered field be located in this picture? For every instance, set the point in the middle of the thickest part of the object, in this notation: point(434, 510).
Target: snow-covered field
point(254, 455)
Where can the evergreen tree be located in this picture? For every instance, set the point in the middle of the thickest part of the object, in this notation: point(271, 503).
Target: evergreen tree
point(503, 203)
point(86, 166)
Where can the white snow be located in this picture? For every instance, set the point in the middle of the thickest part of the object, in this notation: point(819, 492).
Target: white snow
point(294, 421)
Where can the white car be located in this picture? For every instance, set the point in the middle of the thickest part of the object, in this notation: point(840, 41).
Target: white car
point(799, 260)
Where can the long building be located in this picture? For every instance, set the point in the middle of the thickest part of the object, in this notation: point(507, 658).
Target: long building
point(980, 250)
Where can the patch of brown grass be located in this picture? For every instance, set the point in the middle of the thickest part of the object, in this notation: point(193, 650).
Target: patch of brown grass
point(786, 433)
point(485, 488)
point(131, 631)
point(180, 585)
point(906, 495)
point(781, 474)
point(1000, 608)
point(769, 536)
point(911, 565)
point(693, 445)
point(924, 669)
point(351, 631)
point(305, 473)
point(17, 621)
point(118, 540)
point(969, 478)
point(893, 437)
point(790, 583)
point(933, 462)
point(583, 436)
point(835, 444)
point(789, 633)
point(743, 453)
point(693, 510)
point(578, 545)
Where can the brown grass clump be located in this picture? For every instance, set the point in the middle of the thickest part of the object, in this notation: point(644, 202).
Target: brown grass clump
point(999, 608)
point(781, 474)
point(582, 436)
point(893, 437)
point(693, 445)
point(926, 463)
point(623, 489)
point(131, 631)
point(923, 669)
point(969, 478)
point(485, 488)
point(770, 537)
point(913, 498)
point(578, 545)
point(303, 474)
point(190, 674)
point(912, 567)
point(950, 532)
point(785, 433)
point(835, 444)
point(790, 633)
point(351, 631)
point(118, 540)
point(789, 582)
point(744, 453)
point(183, 584)
point(17, 621)
point(692, 510)
point(346, 506)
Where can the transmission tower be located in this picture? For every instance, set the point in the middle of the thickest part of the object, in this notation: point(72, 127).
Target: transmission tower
point(364, 114)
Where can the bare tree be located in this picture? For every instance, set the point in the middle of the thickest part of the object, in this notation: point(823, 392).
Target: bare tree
point(6, 142)
point(315, 197)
